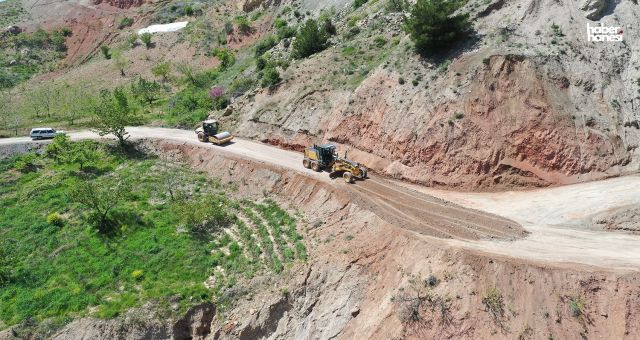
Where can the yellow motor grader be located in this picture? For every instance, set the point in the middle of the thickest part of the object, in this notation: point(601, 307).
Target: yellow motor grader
point(208, 132)
point(325, 157)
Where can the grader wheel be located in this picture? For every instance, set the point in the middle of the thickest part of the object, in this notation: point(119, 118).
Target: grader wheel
point(315, 166)
point(201, 137)
point(306, 163)
point(347, 177)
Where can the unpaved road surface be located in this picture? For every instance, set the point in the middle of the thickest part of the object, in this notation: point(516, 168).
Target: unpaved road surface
point(557, 219)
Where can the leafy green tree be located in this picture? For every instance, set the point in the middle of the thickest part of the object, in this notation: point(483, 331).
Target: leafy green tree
point(146, 39)
point(74, 102)
point(433, 27)
point(113, 114)
point(309, 40)
point(162, 69)
point(120, 62)
point(58, 148)
point(101, 198)
point(146, 91)
point(84, 153)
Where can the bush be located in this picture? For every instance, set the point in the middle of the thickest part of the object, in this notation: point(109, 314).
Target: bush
point(27, 162)
point(261, 63)
point(161, 69)
point(270, 77)
point(106, 51)
point(225, 56)
point(264, 45)
point(241, 86)
point(137, 274)
point(132, 39)
point(220, 100)
point(396, 6)
point(359, 3)
point(433, 27)
point(146, 39)
point(309, 40)
point(494, 303)
point(55, 219)
point(125, 22)
point(576, 306)
point(244, 26)
point(66, 31)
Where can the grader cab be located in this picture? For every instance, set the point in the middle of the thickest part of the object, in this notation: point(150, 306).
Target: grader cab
point(325, 157)
point(208, 132)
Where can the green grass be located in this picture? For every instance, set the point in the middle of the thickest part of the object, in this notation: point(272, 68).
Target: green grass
point(11, 12)
point(67, 269)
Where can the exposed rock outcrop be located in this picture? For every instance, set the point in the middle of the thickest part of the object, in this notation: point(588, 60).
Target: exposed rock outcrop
point(593, 8)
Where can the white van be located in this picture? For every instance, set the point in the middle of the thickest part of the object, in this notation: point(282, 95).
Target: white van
point(42, 133)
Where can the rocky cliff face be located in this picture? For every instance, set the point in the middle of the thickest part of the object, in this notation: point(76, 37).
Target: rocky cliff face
point(530, 102)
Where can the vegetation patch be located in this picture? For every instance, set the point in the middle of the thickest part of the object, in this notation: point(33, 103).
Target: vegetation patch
point(23, 55)
point(93, 230)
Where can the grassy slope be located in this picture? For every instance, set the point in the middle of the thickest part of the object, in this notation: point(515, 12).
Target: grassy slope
point(68, 271)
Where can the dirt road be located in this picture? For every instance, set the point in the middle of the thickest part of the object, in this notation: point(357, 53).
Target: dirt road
point(557, 219)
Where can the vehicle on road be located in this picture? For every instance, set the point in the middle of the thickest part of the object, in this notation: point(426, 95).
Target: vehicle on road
point(208, 132)
point(44, 133)
point(319, 157)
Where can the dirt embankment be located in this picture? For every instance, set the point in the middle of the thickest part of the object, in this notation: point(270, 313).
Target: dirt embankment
point(508, 127)
point(364, 274)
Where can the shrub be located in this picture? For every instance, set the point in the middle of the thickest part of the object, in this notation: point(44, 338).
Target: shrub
point(270, 77)
point(401, 81)
point(380, 41)
point(132, 39)
point(137, 274)
point(225, 56)
point(328, 27)
point(359, 3)
point(244, 26)
point(433, 27)
point(27, 162)
point(309, 40)
point(220, 100)
point(106, 51)
point(240, 86)
point(125, 22)
point(494, 303)
point(396, 6)
point(576, 306)
point(188, 10)
point(161, 69)
point(264, 45)
point(228, 28)
point(55, 219)
point(66, 31)
point(458, 115)
point(261, 63)
point(146, 39)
